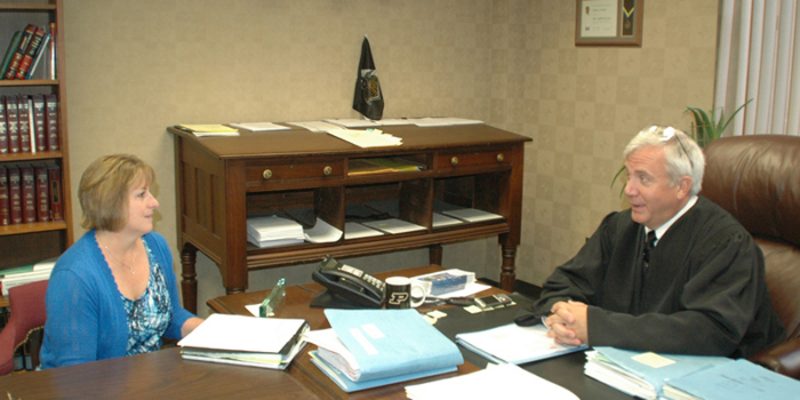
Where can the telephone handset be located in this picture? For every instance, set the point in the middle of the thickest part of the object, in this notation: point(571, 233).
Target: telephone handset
point(352, 285)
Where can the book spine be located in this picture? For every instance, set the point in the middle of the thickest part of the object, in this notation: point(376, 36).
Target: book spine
point(30, 52)
point(24, 128)
point(42, 193)
point(28, 194)
point(51, 120)
point(5, 210)
point(13, 65)
point(3, 126)
point(39, 125)
point(13, 126)
point(12, 46)
point(44, 48)
point(14, 195)
point(51, 54)
point(54, 178)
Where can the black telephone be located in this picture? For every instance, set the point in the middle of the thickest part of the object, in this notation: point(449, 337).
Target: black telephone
point(348, 287)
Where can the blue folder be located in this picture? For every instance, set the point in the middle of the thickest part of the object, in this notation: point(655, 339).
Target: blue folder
point(738, 380)
point(349, 386)
point(391, 344)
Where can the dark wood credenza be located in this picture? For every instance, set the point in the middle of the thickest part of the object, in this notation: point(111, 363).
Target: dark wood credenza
point(221, 181)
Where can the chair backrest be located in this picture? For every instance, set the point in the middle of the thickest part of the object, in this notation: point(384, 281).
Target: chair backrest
point(27, 313)
point(757, 179)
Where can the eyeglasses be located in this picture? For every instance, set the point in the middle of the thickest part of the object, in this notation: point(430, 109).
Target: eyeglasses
point(667, 133)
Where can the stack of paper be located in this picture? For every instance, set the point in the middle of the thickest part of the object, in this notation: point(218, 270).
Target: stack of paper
point(471, 214)
point(273, 231)
point(19, 276)
point(441, 220)
point(643, 374)
point(370, 348)
point(200, 130)
point(394, 226)
point(322, 232)
point(259, 126)
point(354, 230)
point(514, 344)
point(734, 380)
point(503, 381)
point(242, 340)
point(366, 138)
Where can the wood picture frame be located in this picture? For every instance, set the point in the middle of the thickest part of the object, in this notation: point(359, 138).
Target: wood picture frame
point(609, 22)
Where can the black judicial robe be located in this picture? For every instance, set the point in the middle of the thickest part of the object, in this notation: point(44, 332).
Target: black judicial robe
point(703, 292)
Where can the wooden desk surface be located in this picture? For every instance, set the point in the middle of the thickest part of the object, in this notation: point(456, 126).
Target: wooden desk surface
point(158, 375)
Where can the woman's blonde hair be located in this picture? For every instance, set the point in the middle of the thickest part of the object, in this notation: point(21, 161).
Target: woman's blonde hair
point(103, 190)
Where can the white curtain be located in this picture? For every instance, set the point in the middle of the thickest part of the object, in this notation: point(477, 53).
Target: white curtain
point(758, 60)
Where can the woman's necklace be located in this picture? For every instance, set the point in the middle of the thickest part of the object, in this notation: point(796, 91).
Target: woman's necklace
point(128, 266)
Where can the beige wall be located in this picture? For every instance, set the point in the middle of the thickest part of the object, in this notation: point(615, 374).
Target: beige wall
point(135, 67)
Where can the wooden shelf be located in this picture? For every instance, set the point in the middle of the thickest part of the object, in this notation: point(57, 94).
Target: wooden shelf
point(17, 6)
point(19, 229)
point(44, 155)
point(28, 82)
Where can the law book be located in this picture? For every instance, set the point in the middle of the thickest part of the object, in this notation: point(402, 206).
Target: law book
point(514, 344)
point(3, 126)
point(54, 179)
point(734, 380)
point(39, 125)
point(19, 52)
point(15, 194)
point(245, 340)
point(43, 49)
point(5, 210)
point(13, 124)
point(643, 374)
point(24, 125)
point(51, 52)
point(28, 187)
point(369, 348)
point(33, 47)
point(51, 122)
point(42, 193)
point(12, 46)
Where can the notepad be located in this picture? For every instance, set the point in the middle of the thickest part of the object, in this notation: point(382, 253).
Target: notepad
point(201, 130)
point(514, 344)
point(259, 126)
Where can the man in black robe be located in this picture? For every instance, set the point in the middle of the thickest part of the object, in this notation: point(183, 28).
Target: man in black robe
point(698, 287)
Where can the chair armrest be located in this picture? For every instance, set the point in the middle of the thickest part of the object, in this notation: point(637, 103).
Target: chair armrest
point(783, 358)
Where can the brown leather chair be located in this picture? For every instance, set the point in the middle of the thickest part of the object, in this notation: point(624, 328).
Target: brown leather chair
point(757, 179)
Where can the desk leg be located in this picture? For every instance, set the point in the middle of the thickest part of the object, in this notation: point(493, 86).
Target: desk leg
point(507, 274)
point(435, 254)
point(189, 275)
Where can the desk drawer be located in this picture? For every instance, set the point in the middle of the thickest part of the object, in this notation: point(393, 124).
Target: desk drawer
point(454, 160)
point(267, 175)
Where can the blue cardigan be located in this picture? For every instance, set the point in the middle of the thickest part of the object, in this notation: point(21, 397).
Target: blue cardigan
point(86, 319)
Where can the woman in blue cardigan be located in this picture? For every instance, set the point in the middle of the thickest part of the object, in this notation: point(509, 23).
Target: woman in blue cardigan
point(113, 293)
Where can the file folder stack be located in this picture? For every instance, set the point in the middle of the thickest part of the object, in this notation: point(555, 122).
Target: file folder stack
point(241, 340)
point(371, 348)
point(273, 231)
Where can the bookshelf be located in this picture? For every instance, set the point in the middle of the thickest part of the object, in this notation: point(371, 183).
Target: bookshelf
point(26, 243)
point(222, 181)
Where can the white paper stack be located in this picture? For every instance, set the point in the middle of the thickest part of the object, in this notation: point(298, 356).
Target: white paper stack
point(273, 231)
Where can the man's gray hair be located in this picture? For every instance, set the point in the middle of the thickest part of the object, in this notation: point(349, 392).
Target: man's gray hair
point(684, 156)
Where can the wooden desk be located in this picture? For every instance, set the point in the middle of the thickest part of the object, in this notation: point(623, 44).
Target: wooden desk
point(566, 371)
point(221, 181)
point(158, 375)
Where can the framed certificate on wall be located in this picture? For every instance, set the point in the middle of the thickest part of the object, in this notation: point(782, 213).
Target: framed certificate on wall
point(608, 22)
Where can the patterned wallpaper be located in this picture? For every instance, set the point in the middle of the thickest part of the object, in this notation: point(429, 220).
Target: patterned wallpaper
point(134, 68)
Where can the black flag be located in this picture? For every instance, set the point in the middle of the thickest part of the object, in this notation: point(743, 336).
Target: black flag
point(368, 97)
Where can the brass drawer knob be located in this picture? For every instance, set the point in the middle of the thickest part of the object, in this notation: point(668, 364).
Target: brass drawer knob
point(327, 171)
point(500, 157)
point(266, 174)
point(454, 161)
